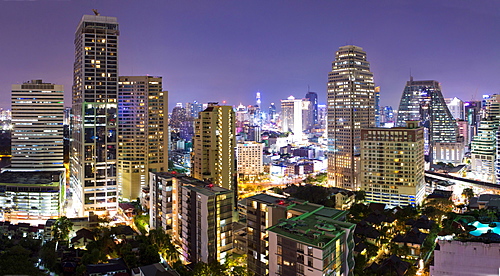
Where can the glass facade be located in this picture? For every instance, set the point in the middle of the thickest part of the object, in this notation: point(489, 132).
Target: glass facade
point(422, 101)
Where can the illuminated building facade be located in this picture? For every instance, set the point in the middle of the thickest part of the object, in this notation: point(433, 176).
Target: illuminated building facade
point(351, 107)
point(143, 137)
point(392, 165)
point(197, 215)
point(313, 98)
point(422, 101)
point(37, 119)
point(214, 141)
point(291, 117)
point(95, 111)
point(249, 159)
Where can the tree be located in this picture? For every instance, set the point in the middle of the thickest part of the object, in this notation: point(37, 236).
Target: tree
point(48, 255)
point(166, 248)
point(468, 193)
point(360, 196)
point(61, 228)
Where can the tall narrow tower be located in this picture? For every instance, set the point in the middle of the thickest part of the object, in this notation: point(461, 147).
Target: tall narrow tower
point(351, 107)
point(95, 102)
point(143, 138)
point(214, 145)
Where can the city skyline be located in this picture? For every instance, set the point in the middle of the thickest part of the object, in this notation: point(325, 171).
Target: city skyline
point(238, 48)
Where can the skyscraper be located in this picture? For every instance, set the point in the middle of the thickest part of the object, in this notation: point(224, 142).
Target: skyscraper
point(313, 98)
point(143, 137)
point(291, 117)
point(95, 103)
point(214, 142)
point(422, 101)
point(351, 107)
point(37, 119)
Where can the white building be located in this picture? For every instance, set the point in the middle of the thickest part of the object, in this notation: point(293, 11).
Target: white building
point(37, 118)
point(456, 107)
point(291, 117)
point(466, 259)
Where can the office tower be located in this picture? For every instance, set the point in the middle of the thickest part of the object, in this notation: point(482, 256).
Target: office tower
point(212, 159)
point(456, 107)
point(473, 116)
point(351, 107)
point(484, 156)
point(392, 164)
point(249, 159)
point(193, 108)
point(377, 107)
point(291, 117)
point(197, 214)
point(317, 242)
point(272, 112)
point(257, 120)
point(322, 115)
point(95, 104)
point(143, 137)
point(313, 98)
point(37, 119)
point(386, 116)
point(422, 101)
point(483, 151)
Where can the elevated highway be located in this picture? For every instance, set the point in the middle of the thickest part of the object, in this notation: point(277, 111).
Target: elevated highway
point(495, 188)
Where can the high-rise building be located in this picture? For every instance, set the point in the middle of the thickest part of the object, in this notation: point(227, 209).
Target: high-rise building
point(313, 98)
point(392, 165)
point(422, 101)
point(456, 107)
point(272, 112)
point(95, 111)
point(143, 137)
point(291, 117)
point(473, 116)
point(37, 119)
point(197, 214)
point(351, 107)
point(213, 156)
point(377, 107)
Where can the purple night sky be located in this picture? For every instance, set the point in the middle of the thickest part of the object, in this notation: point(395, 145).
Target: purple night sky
point(228, 50)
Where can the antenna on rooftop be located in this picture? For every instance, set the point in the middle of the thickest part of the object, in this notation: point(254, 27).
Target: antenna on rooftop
point(96, 12)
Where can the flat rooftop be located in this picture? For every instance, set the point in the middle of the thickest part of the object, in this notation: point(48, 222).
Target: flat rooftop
point(29, 178)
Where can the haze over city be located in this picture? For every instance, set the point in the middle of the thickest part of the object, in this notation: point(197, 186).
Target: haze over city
point(228, 50)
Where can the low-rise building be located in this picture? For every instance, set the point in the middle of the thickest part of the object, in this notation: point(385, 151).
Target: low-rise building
point(31, 196)
point(459, 258)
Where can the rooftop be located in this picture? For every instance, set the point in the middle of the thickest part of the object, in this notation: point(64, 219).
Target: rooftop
point(316, 228)
point(27, 178)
